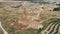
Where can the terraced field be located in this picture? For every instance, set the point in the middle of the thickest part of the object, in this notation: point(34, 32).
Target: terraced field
point(52, 27)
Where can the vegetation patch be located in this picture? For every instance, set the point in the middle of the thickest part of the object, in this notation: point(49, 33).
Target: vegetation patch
point(56, 9)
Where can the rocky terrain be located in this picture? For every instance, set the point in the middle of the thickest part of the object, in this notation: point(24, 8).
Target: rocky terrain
point(27, 18)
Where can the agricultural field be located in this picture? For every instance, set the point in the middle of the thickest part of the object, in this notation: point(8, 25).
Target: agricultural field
point(29, 18)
